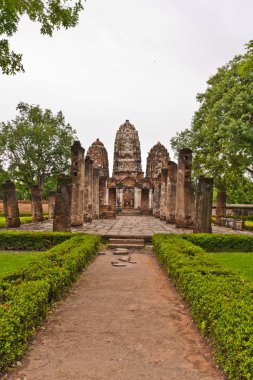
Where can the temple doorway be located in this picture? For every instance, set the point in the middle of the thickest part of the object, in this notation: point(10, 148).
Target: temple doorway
point(128, 198)
point(144, 200)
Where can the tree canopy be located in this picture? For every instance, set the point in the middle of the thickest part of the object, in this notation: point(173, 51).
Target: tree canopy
point(50, 14)
point(221, 133)
point(35, 145)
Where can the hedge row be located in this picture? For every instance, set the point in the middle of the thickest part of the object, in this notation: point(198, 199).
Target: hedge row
point(220, 301)
point(29, 240)
point(221, 242)
point(26, 294)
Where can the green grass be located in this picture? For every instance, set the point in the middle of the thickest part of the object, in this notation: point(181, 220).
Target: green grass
point(10, 261)
point(241, 263)
point(23, 220)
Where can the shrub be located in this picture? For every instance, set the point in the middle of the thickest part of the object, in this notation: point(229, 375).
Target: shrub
point(220, 301)
point(26, 294)
point(221, 242)
point(30, 240)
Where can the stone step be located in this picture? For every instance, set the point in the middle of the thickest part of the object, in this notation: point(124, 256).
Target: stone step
point(129, 246)
point(126, 241)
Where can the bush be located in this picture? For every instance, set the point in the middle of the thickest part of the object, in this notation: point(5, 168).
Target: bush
point(26, 294)
point(220, 301)
point(30, 240)
point(221, 242)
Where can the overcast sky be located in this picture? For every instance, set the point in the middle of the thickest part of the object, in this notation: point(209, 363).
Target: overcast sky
point(142, 60)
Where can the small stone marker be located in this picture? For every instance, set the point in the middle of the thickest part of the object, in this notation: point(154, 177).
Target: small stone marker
point(125, 259)
point(117, 264)
point(120, 251)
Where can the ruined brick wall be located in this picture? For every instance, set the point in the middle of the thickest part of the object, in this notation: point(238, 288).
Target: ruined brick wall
point(157, 159)
point(98, 154)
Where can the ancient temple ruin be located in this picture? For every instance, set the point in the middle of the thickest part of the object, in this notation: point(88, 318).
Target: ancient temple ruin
point(165, 191)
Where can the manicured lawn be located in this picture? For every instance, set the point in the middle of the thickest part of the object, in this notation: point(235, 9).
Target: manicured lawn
point(241, 263)
point(23, 219)
point(10, 261)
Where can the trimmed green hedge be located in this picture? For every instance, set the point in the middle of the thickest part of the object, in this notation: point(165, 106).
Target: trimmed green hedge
point(221, 242)
point(220, 301)
point(30, 240)
point(26, 294)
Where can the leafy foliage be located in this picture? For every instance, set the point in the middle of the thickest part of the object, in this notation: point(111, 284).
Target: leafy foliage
point(35, 145)
point(221, 242)
point(220, 301)
point(221, 134)
point(50, 14)
point(29, 240)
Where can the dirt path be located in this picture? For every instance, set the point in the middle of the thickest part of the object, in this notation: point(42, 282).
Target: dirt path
point(119, 324)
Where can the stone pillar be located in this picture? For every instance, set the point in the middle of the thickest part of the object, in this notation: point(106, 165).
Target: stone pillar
point(150, 199)
point(51, 204)
point(88, 189)
point(220, 206)
point(137, 198)
point(204, 200)
point(77, 174)
point(95, 198)
point(163, 197)
point(62, 211)
point(36, 201)
point(10, 204)
point(184, 192)
point(171, 192)
point(156, 198)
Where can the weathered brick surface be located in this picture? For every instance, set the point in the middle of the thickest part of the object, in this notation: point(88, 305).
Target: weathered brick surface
point(204, 200)
point(171, 192)
point(184, 191)
point(51, 204)
point(62, 211)
point(77, 174)
point(36, 201)
point(10, 204)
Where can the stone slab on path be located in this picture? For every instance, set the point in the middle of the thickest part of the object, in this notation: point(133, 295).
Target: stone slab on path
point(119, 323)
point(130, 226)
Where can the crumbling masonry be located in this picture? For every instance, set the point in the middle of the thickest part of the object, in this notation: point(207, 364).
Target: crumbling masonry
point(165, 192)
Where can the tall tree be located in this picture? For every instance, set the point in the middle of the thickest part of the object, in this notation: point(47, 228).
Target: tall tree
point(35, 146)
point(50, 14)
point(221, 133)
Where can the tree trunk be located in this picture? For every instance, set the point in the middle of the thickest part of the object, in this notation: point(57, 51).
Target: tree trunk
point(36, 200)
point(220, 206)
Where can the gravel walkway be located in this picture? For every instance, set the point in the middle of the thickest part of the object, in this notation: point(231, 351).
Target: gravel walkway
point(119, 323)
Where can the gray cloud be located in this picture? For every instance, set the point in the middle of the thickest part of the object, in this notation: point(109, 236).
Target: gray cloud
point(141, 60)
